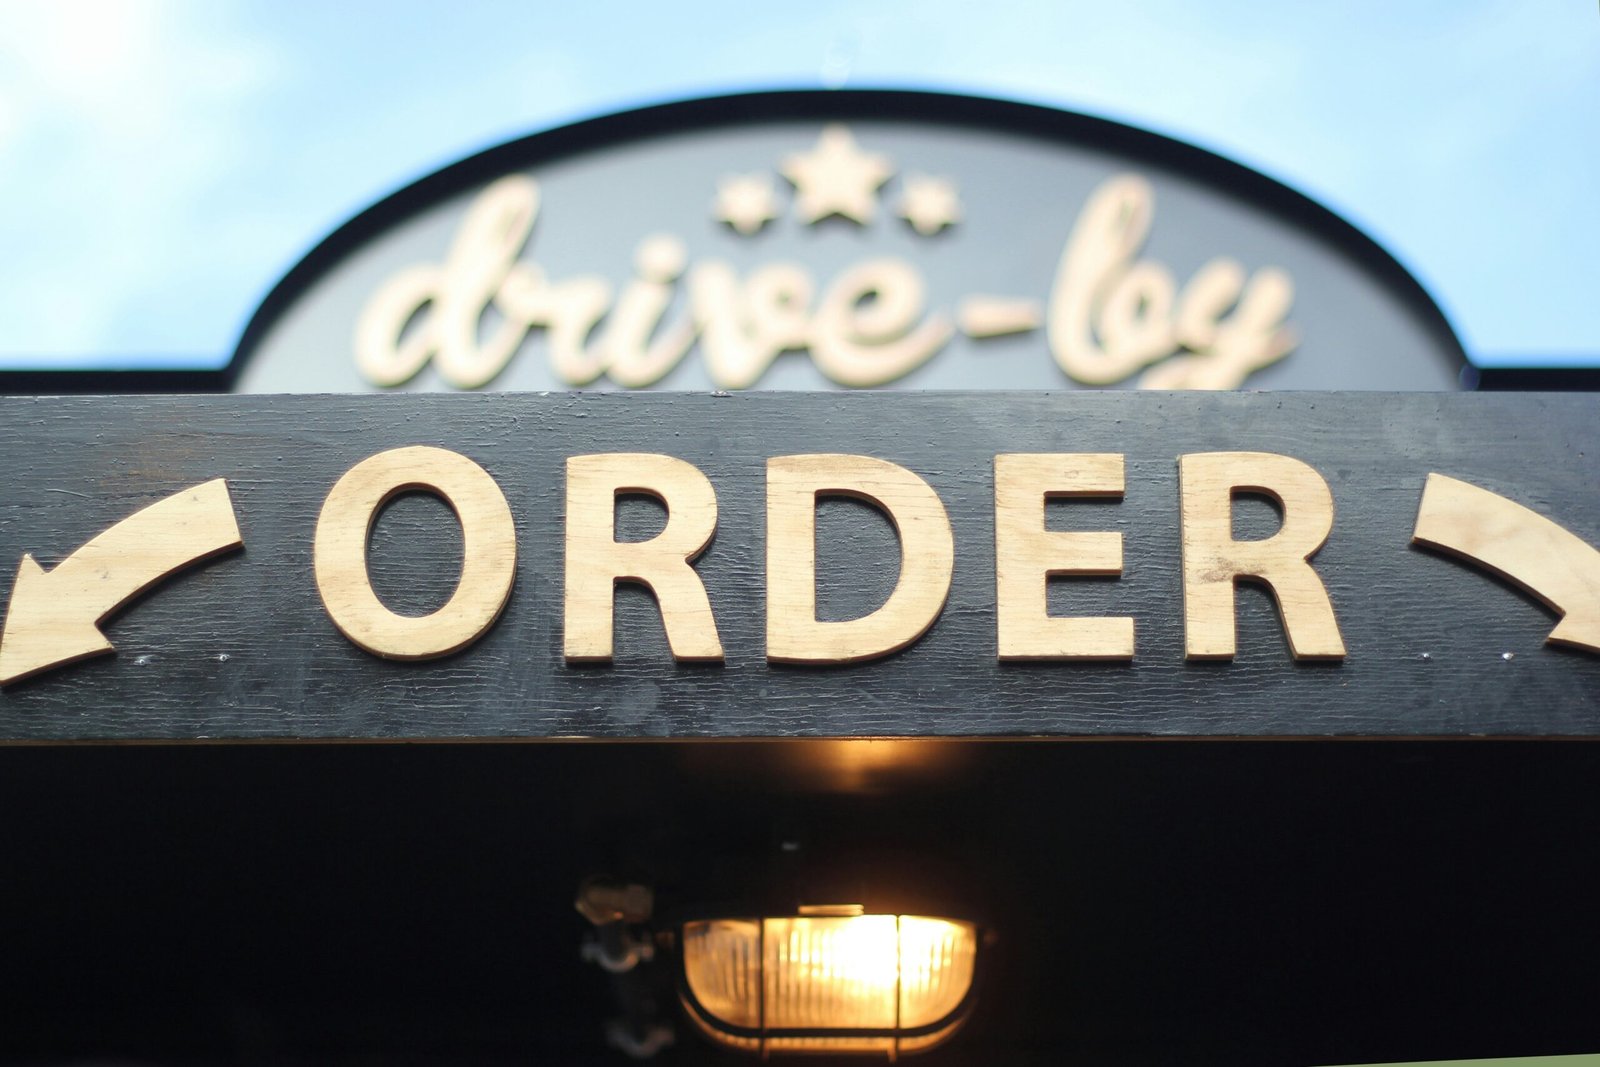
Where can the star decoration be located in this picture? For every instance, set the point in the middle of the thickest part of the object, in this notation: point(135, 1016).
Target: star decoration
point(929, 204)
point(836, 177)
point(746, 202)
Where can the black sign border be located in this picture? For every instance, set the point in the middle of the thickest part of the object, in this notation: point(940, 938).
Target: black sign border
point(946, 109)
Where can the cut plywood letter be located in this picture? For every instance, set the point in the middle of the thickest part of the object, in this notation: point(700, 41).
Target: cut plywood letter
point(927, 558)
point(596, 561)
point(1027, 555)
point(488, 556)
point(1213, 561)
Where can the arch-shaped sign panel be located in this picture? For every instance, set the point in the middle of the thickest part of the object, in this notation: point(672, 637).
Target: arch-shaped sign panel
point(846, 240)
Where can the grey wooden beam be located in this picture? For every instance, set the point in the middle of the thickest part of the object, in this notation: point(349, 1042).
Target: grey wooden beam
point(240, 646)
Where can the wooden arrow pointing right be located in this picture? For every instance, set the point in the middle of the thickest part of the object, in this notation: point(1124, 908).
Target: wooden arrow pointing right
point(54, 618)
point(1554, 565)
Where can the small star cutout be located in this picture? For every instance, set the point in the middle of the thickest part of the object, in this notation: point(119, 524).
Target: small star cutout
point(929, 204)
point(746, 202)
point(836, 177)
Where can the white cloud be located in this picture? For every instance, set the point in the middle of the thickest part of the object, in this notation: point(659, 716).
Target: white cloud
point(1460, 133)
point(116, 118)
point(161, 159)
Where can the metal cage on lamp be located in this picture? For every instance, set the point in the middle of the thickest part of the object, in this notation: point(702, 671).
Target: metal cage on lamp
point(829, 979)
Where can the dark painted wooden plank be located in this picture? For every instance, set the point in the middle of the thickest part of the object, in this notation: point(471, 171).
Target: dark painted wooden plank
point(241, 648)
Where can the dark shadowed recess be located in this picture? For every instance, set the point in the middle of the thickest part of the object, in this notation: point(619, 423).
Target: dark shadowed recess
point(1193, 902)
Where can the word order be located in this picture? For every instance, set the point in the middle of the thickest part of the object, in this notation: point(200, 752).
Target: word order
point(1026, 554)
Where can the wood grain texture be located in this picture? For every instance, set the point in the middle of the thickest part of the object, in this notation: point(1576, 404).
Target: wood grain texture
point(1215, 562)
point(54, 619)
point(596, 561)
point(1542, 558)
point(1027, 555)
point(922, 572)
point(242, 647)
point(488, 558)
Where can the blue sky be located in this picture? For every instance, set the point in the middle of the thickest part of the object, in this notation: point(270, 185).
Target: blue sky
point(162, 162)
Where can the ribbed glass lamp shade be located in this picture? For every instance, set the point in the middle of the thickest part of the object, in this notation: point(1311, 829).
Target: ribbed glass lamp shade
point(839, 983)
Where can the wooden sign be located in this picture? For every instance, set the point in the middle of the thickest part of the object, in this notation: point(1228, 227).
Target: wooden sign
point(787, 565)
point(845, 239)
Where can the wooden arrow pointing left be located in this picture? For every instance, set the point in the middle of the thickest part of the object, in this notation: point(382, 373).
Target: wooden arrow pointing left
point(54, 618)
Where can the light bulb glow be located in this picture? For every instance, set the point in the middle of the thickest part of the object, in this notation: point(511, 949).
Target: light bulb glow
point(857, 983)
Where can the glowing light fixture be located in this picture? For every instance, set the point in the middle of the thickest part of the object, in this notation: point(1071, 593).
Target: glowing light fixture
point(829, 980)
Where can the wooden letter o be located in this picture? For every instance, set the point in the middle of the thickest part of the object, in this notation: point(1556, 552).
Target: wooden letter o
point(488, 563)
